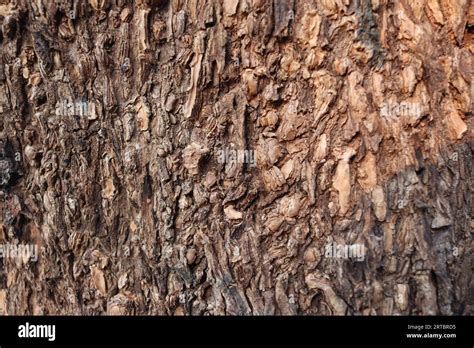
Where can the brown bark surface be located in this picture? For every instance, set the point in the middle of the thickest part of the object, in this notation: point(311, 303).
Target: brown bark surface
point(353, 125)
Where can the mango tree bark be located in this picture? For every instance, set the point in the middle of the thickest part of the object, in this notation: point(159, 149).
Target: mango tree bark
point(224, 157)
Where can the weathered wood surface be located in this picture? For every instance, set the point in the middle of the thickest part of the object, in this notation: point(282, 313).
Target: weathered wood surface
point(133, 212)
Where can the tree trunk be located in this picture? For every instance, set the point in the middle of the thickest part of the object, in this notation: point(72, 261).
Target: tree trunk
point(236, 157)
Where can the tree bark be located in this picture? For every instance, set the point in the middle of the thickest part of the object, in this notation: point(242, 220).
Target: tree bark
point(241, 157)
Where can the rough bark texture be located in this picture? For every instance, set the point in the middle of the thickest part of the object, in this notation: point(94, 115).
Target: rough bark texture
point(133, 211)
